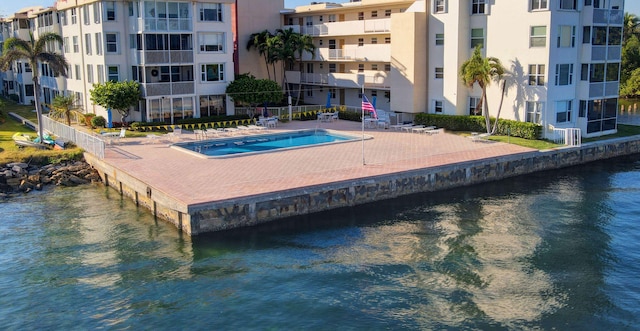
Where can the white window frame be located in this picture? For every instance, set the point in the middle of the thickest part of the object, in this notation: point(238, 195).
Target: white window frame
point(539, 5)
point(98, 43)
point(87, 43)
point(538, 36)
point(65, 43)
point(439, 73)
point(479, 7)
point(475, 39)
point(439, 39)
point(438, 104)
point(90, 73)
point(564, 108)
point(111, 76)
point(211, 42)
point(566, 36)
point(564, 78)
point(77, 70)
point(110, 44)
point(74, 16)
point(100, 70)
point(204, 76)
point(537, 74)
point(473, 103)
point(533, 112)
point(110, 11)
point(439, 6)
point(97, 13)
point(216, 8)
point(568, 4)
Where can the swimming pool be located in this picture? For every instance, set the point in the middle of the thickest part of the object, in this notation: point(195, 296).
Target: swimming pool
point(262, 143)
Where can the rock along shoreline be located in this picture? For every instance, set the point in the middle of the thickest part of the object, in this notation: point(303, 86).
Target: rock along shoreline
point(19, 177)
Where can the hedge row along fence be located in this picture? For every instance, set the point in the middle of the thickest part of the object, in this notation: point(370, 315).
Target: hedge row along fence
point(512, 128)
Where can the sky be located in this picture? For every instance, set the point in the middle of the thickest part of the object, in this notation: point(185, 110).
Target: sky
point(9, 7)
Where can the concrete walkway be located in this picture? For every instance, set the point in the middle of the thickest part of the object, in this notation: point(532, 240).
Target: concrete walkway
point(194, 180)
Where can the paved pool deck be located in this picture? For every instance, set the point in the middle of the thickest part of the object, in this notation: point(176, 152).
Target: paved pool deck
point(192, 180)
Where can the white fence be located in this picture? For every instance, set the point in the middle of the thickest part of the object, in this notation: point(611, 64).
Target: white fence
point(570, 137)
point(90, 143)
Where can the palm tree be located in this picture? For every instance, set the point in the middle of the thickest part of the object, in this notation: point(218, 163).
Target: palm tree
point(259, 41)
point(630, 26)
point(63, 107)
point(35, 51)
point(304, 43)
point(282, 48)
point(481, 71)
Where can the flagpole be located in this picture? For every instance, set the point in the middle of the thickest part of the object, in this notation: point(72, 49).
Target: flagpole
point(363, 163)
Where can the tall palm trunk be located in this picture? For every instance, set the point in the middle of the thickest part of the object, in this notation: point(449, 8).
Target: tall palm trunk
point(485, 106)
point(36, 96)
point(504, 89)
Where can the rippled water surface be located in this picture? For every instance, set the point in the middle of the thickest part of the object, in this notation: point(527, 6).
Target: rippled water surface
point(551, 250)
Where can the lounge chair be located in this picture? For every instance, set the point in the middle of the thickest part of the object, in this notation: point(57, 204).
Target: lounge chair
point(200, 134)
point(480, 137)
point(399, 127)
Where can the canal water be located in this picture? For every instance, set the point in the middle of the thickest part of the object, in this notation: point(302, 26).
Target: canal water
point(553, 250)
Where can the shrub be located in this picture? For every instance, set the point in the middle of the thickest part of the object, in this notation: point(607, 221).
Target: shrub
point(88, 118)
point(14, 97)
point(98, 122)
point(524, 130)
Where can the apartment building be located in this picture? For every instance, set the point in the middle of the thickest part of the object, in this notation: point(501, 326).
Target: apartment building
point(563, 57)
point(181, 52)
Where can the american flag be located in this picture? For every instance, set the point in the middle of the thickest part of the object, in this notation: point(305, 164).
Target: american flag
point(368, 107)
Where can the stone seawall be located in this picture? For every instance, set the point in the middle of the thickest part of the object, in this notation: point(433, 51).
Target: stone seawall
point(256, 209)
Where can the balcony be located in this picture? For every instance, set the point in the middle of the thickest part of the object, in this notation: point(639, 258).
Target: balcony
point(163, 57)
point(165, 89)
point(608, 16)
point(606, 53)
point(160, 24)
point(605, 89)
point(348, 28)
point(372, 53)
point(372, 79)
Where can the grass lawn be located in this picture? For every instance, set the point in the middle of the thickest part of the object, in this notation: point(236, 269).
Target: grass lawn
point(9, 152)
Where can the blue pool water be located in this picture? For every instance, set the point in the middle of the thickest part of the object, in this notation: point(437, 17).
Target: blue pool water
point(264, 143)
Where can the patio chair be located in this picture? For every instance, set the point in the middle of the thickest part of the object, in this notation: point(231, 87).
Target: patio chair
point(335, 116)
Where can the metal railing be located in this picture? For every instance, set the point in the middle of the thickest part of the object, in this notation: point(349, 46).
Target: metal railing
point(570, 136)
point(90, 143)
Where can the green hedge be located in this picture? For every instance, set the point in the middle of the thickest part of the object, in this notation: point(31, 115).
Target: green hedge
point(512, 128)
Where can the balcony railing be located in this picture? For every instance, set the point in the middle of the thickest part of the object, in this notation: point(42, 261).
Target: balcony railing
point(605, 89)
point(373, 53)
point(345, 28)
point(608, 16)
point(161, 24)
point(161, 57)
point(346, 80)
point(173, 88)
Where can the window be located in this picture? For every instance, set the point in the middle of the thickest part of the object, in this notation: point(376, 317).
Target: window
point(96, 13)
point(63, 17)
point(536, 74)
point(568, 4)
point(374, 40)
point(65, 43)
point(85, 14)
point(613, 72)
point(387, 12)
point(77, 67)
point(110, 10)
point(74, 16)
point(89, 73)
point(477, 38)
point(586, 34)
point(374, 67)
point(474, 106)
point(584, 72)
point(332, 44)
point(387, 67)
point(439, 39)
point(563, 111)
point(439, 73)
point(437, 106)
point(100, 69)
point(87, 43)
point(211, 41)
point(308, 20)
point(615, 36)
point(599, 35)
point(538, 37)
point(538, 4)
point(567, 36)
point(212, 105)
point(332, 67)
point(564, 74)
point(360, 41)
point(321, 18)
point(534, 112)
point(211, 12)
point(596, 74)
point(360, 67)
point(332, 18)
point(478, 6)
point(360, 16)
point(99, 43)
point(212, 72)
point(387, 40)
point(374, 13)
point(113, 73)
point(439, 6)
point(28, 90)
point(111, 41)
